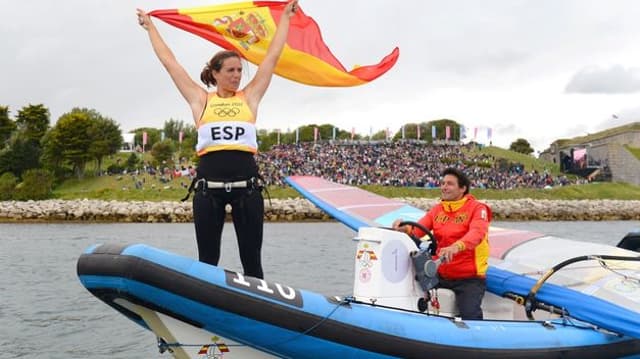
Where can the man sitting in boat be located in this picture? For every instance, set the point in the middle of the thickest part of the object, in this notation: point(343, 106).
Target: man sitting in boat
point(460, 224)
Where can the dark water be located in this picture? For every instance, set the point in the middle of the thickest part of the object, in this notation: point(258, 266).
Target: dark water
point(46, 313)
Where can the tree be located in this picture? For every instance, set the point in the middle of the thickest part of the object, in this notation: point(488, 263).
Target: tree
point(426, 130)
point(522, 146)
point(24, 149)
point(380, 135)
point(33, 122)
point(162, 152)
point(78, 137)
point(305, 133)
point(172, 129)
point(441, 129)
point(266, 139)
point(21, 154)
point(153, 136)
point(7, 126)
point(132, 162)
point(186, 148)
point(69, 141)
point(106, 139)
point(411, 131)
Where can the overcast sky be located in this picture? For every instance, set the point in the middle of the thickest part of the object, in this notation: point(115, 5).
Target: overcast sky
point(534, 69)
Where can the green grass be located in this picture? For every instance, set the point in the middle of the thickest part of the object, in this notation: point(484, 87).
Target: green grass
point(121, 188)
point(635, 151)
point(112, 188)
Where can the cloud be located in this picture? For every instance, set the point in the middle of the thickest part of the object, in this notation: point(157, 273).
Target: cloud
point(596, 80)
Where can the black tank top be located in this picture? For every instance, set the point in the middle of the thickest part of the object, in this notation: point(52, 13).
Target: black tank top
point(227, 166)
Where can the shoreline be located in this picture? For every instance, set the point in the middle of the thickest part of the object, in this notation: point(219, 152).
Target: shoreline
point(299, 210)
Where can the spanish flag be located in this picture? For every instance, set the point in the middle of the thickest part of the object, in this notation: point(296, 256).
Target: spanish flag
point(204, 350)
point(248, 28)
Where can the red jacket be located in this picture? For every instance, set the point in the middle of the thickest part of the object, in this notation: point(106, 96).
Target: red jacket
point(466, 222)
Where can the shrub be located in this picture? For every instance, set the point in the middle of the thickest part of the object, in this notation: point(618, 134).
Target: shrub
point(36, 184)
point(8, 183)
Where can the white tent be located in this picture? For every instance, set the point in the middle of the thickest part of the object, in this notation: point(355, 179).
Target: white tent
point(128, 141)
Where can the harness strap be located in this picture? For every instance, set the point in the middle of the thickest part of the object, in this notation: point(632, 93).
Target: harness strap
point(191, 188)
point(228, 185)
point(202, 184)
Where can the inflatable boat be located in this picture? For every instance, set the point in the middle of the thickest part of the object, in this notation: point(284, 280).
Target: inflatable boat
point(547, 297)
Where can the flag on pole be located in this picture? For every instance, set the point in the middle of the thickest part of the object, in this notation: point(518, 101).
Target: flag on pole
point(475, 133)
point(463, 133)
point(315, 134)
point(248, 28)
point(489, 133)
point(418, 132)
point(447, 132)
point(433, 132)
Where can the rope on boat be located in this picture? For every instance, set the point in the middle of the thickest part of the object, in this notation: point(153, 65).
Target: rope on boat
point(344, 300)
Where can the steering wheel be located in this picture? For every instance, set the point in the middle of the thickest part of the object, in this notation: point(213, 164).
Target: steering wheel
point(433, 247)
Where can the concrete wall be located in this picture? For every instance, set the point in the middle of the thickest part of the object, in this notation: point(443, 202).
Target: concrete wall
point(625, 167)
point(608, 151)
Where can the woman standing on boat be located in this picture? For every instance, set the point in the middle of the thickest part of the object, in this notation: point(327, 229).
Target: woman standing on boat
point(227, 141)
point(460, 224)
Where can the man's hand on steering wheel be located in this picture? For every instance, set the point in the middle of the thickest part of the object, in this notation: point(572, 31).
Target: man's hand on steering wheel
point(407, 227)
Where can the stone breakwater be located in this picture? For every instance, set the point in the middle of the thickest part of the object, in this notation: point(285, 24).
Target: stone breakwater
point(299, 210)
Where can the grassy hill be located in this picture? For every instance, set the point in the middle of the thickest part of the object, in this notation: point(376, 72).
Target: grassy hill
point(123, 188)
point(530, 163)
point(599, 135)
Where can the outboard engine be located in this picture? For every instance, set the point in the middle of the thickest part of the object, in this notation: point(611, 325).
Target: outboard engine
point(391, 271)
point(631, 241)
point(384, 272)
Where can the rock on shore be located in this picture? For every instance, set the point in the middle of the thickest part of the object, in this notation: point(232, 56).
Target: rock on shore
point(301, 210)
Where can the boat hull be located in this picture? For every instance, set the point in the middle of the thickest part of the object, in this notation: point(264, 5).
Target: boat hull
point(193, 306)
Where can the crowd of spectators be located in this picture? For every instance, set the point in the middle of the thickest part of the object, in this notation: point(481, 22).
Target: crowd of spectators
point(404, 163)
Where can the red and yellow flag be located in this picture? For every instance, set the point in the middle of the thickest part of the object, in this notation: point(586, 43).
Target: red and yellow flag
point(248, 28)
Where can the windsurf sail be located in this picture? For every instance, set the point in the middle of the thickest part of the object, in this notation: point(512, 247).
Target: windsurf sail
point(353, 206)
point(248, 27)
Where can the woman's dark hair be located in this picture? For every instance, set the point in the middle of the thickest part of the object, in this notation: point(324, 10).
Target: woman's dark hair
point(463, 180)
point(215, 64)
